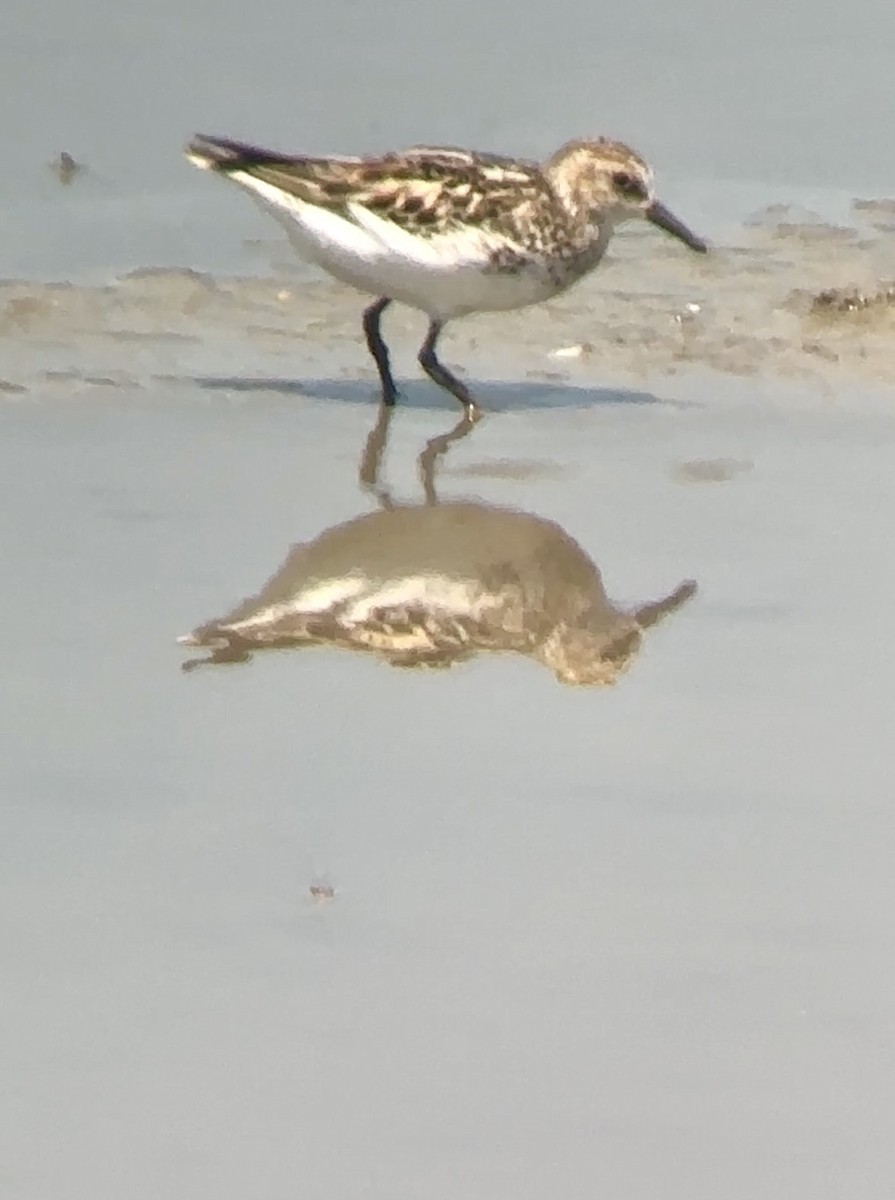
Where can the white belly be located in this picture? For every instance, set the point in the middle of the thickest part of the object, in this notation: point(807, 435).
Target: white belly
point(445, 276)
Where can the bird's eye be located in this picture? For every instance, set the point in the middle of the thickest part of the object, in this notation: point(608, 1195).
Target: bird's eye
point(629, 185)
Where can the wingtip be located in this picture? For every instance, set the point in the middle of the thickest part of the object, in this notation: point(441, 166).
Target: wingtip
point(211, 153)
point(199, 152)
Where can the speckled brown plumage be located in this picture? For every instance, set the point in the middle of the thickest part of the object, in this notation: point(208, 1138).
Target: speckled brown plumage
point(447, 230)
point(428, 190)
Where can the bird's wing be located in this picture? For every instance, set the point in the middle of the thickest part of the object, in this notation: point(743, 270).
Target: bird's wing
point(424, 190)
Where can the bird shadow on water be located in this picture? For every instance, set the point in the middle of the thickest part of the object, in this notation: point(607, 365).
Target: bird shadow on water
point(494, 396)
point(435, 583)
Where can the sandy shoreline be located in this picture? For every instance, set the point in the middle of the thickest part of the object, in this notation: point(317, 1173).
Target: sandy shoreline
point(795, 300)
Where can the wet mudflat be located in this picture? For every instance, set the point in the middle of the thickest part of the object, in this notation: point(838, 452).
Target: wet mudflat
point(411, 905)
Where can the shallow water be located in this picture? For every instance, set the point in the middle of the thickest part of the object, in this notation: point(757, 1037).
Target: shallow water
point(736, 106)
point(580, 917)
point(312, 925)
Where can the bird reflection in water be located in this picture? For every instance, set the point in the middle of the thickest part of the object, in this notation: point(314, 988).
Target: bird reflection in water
point(433, 584)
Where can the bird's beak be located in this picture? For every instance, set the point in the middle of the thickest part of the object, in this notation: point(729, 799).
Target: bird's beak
point(659, 215)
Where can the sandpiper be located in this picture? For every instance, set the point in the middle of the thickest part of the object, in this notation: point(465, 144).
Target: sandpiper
point(433, 584)
point(445, 230)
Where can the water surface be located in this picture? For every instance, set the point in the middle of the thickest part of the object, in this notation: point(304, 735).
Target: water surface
point(314, 926)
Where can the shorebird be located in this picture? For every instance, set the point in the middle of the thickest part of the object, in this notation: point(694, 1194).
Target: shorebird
point(445, 230)
point(434, 584)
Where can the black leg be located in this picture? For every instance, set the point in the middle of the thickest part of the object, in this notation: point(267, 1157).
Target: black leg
point(441, 375)
point(436, 448)
point(378, 348)
point(371, 462)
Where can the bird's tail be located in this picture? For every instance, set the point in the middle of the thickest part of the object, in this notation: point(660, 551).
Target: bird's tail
point(225, 155)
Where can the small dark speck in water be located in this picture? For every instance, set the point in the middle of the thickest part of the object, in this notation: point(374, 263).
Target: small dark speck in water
point(66, 168)
point(321, 891)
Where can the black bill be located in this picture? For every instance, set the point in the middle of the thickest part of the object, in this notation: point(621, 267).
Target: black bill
point(661, 216)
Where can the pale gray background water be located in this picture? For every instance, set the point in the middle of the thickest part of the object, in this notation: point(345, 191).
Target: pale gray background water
point(796, 95)
point(631, 943)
